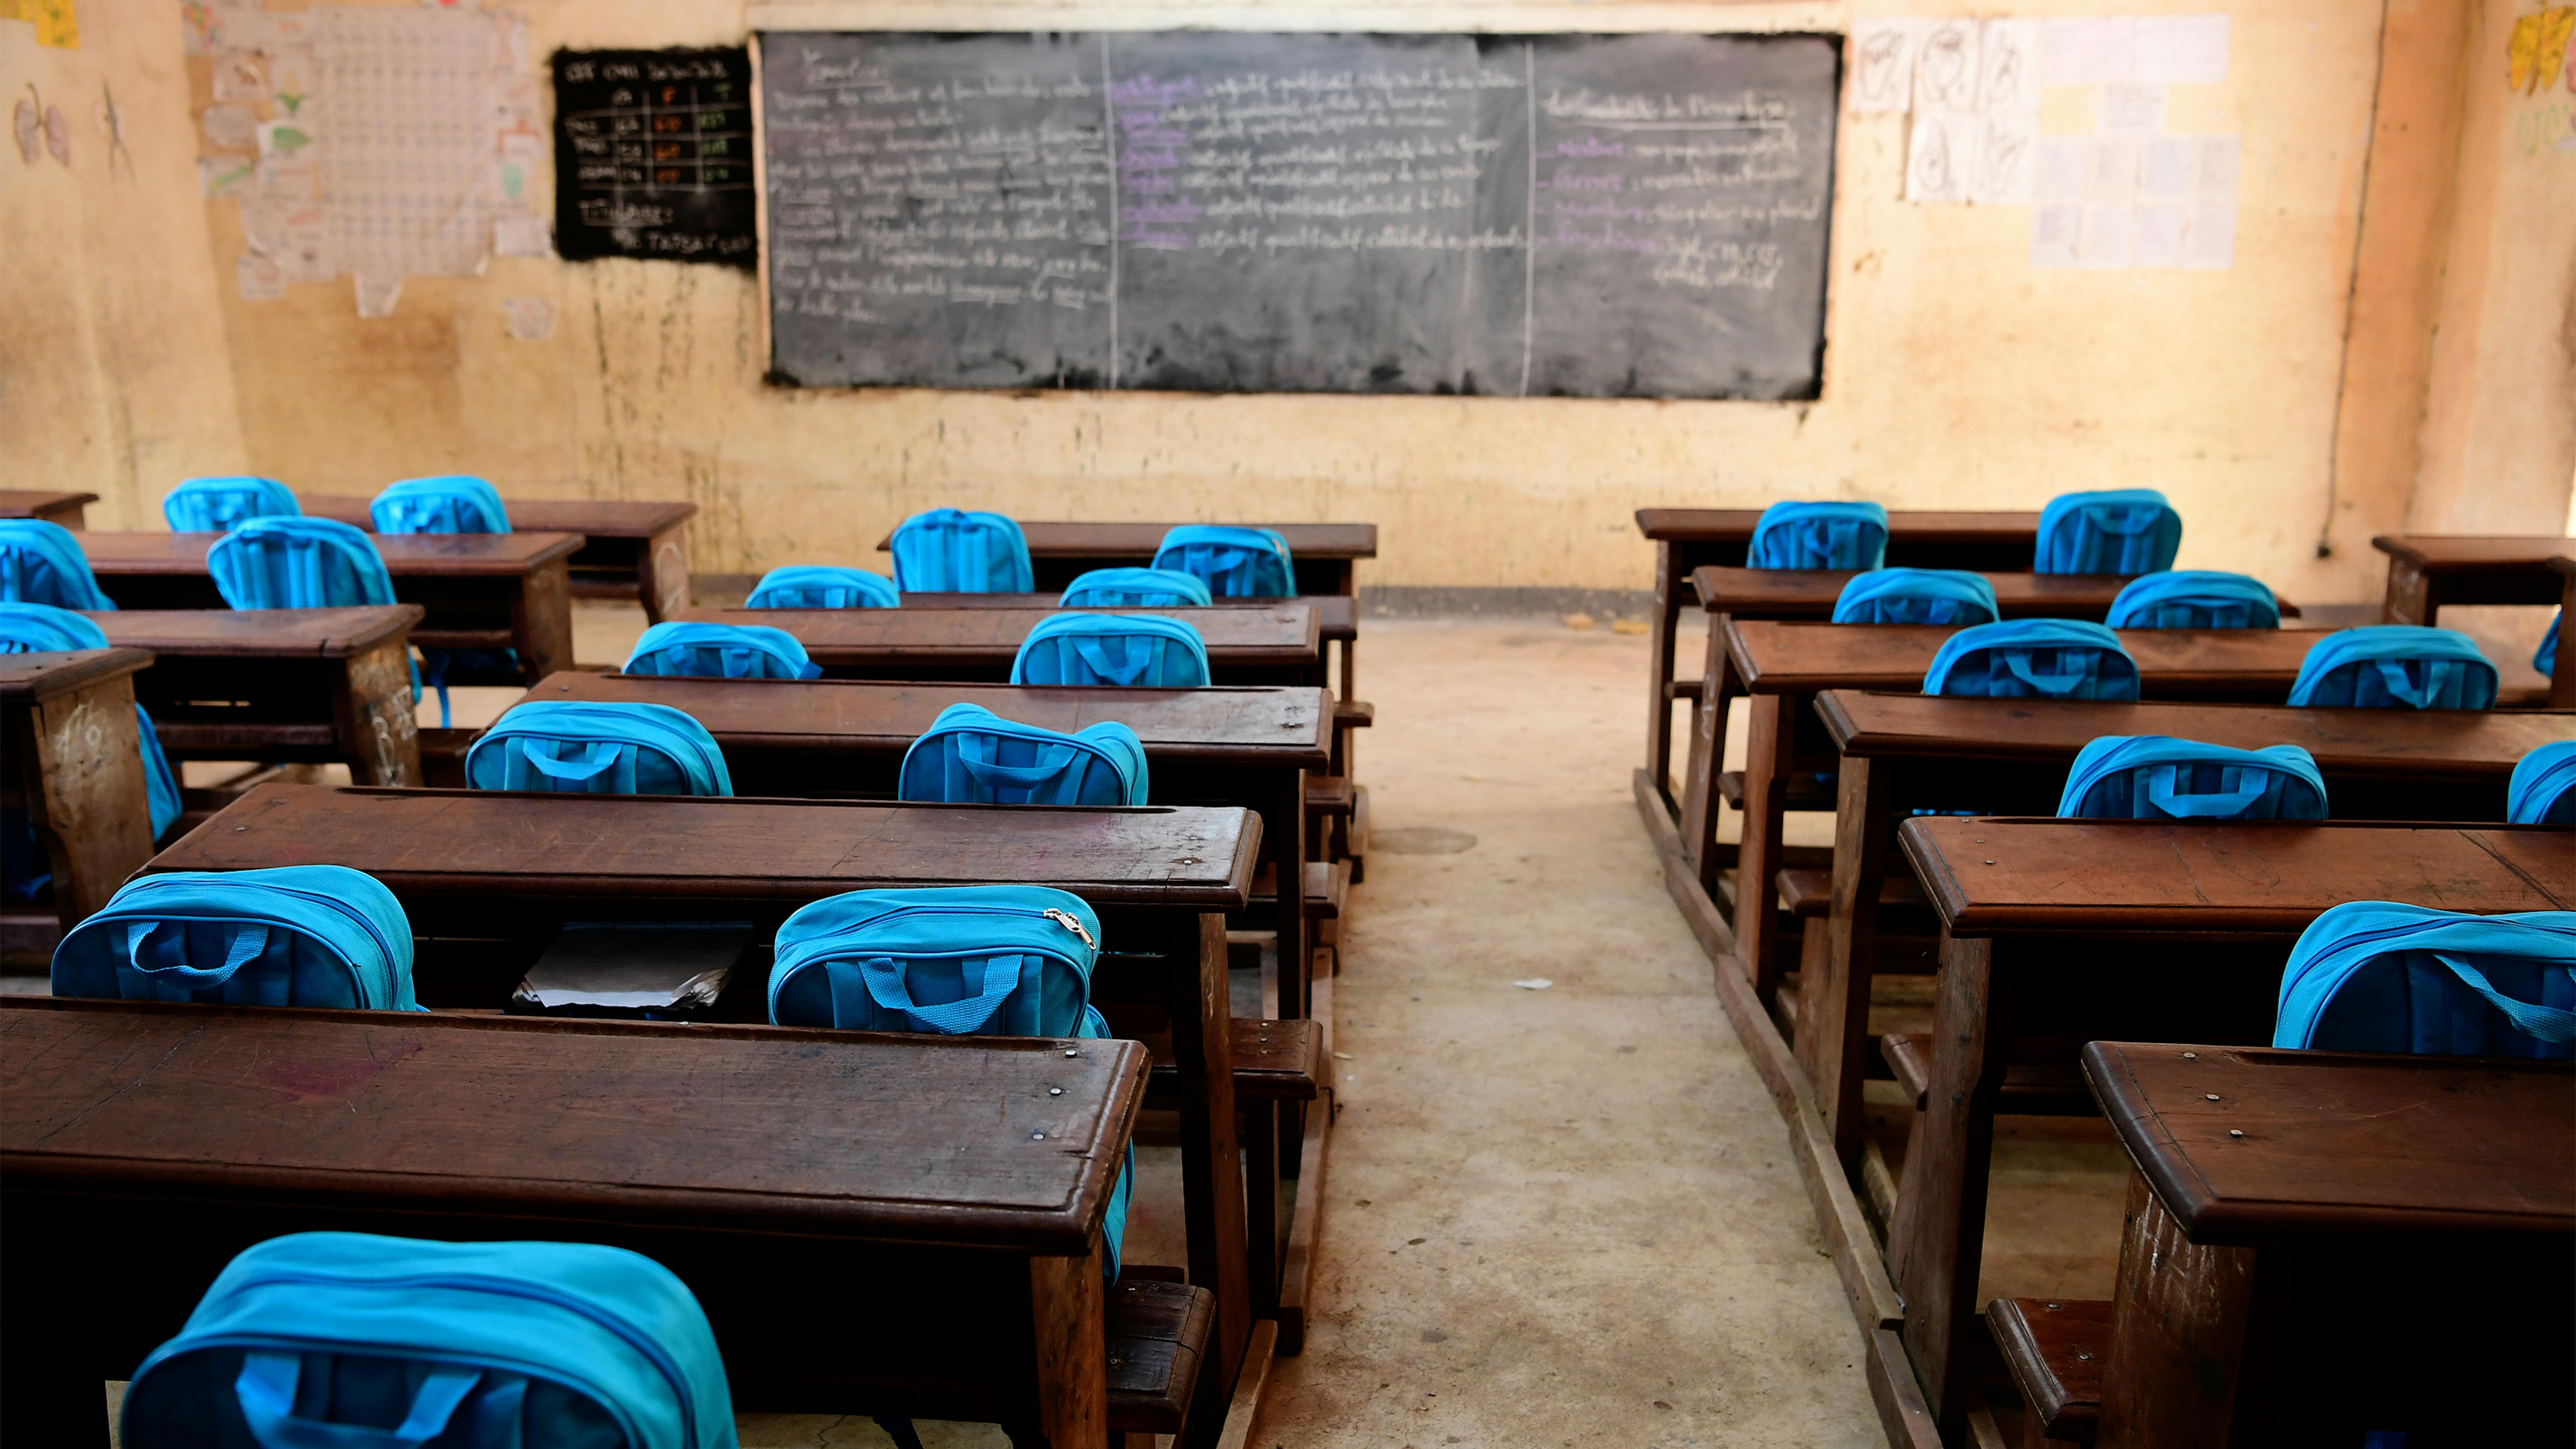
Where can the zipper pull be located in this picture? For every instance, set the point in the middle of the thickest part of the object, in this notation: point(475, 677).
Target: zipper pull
point(1066, 920)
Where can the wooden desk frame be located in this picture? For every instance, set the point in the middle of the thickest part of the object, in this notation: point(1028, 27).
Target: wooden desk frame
point(76, 767)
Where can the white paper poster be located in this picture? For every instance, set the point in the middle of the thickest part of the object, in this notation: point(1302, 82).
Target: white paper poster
point(2182, 50)
point(2008, 66)
point(258, 278)
point(1940, 156)
point(408, 172)
point(1883, 64)
point(377, 295)
point(532, 319)
point(2131, 110)
point(2007, 158)
point(1945, 67)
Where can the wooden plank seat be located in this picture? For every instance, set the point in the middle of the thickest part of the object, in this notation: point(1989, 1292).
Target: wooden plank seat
point(1330, 797)
point(1327, 887)
point(2055, 1348)
point(1806, 791)
point(629, 550)
point(2030, 1089)
point(1808, 893)
point(1158, 1338)
point(1274, 1061)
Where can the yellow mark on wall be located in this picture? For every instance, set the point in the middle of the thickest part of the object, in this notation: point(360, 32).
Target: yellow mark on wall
point(55, 24)
point(2534, 53)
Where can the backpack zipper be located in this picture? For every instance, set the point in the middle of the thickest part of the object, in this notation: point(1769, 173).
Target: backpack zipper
point(1066, 920)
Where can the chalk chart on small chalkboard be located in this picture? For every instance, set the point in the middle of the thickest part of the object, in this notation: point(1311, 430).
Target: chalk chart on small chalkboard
point(653, 155)
point(1567, 215)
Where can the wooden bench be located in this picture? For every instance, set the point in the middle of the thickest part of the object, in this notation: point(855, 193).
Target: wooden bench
point(964, 1179)
point(2319, 1245)
point(71, 510)
point(1688, 539)
point(2427, 571)
point(2054, 1349)
point(1277, 645)
point(1325, 555)
point(485, 876)
point(280, 684)
point(480, 590)
point(629, 551)
point(2056, 932)
point(75, 765)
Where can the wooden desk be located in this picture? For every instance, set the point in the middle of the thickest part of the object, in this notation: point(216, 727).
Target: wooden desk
point(2055, 932)
point(2562, 682)
point(1901, 752)
point(783, 1175)
point(1325, 555)
point(280, 684)
point(68, 509)
point(470, 866)
point(1280, 644)
point(75, 765)
point(1687, 539)
point(2319, 1244)
point(1337, 618)
point(480, 590)
point(637, 551)
point(2426, 571)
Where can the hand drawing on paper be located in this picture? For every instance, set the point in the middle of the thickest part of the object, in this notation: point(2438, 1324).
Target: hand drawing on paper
point(1940, 156)
point(2008, 66)
point(2007, 147)
point(1945, 66)
point(1883, 64)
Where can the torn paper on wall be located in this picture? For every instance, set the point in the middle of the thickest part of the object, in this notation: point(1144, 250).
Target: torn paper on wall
point(226, 174)
point(230, 128)
point(258, 278)
point(532, 319)
point(377, 295)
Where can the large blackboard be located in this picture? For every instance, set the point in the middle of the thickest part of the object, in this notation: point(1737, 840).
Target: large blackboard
point(653, 155)
point(1579, 215)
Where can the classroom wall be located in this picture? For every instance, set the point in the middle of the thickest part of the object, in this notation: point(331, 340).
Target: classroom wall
point(1956, 375)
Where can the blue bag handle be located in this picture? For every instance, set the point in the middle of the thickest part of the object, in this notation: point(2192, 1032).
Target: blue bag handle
point(883, 984)
point(1140, 657)
point(535, 757)
point(2053, 685)
point(248, 939)
point(266, 1391)
point(2437, 673)
point(2128, 522)
point(1050, 764)
point(2162, 794)
point(2549, 1023)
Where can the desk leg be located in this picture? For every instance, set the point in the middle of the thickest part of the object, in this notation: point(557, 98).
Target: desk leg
point(2178, 1334)
point(1262, 1238)
point(84, 791)
point(1833, 1014)
point(372, 716)
point(662, 573)
point(2409, 599)
point(2562, 680)
point(1066, 1303)
point(1211, 1160)
point(1283, 838)
point(1936, 1236)
point(1659, 671)
point(1699, 803)
point(541, 621)
point(1766, 788)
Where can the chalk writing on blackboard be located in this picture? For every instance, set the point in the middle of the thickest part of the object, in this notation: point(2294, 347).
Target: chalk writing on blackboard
point(653, 155)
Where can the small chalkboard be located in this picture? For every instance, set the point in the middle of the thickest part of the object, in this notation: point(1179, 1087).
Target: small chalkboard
point(653, 155)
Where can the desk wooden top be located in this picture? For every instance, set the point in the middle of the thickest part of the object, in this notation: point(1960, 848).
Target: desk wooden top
point(38, 502)
point(1735, 525)
point(2410, 1151)
point(2463, 743)
point(26, 678)
point(1804, 593)
point(460, 846)
point(844, 1135)
point(1226, 725)
point(1283, 634)
point(2465, 553)
point(2244, 878)
point(1336, 615)
point(436, 555)
point(1139, 541)
point(590, 517)
point(1772, 657)
point(259, 633)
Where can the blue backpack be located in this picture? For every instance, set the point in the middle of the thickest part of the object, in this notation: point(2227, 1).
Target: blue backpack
point(820, 586)
point(298, 563)
point(219, 505)
point(2194, 599)
point(38, 628)
point(1819, 536)
point(2388, 666)
point(2543, 791)
point(1234, 563)
point(2157, 777)
point(452, 503)
point(957, 961)
point(952, 551)
point(294, 935)
point(2376, 976)
point(1135, 589)
point(2033, 658)
point(721, 651)
point(1917, 596)
point(972, 756)
point(354, 1341)
point(567, 747)
point(41, 563)
point(2545, 658)
point(2119, 531)
point(1137, 649)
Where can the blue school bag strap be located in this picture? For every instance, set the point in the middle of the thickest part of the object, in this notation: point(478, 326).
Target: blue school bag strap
point(2116, 531)
point(2380, 976)
point(298, 563)
point(2194, 599)
point(1234, 563)
point(1122, 649)
point(218, 505)
point(2033, 658)
point(2157, 777)
point(721, 651)
point(2394, 666)
point(42, 563)
point(2543, 791)
point(448, 503)
point(2545, 658)
point(972, 756)
point(298, 935)
point(1917, 596)
point(1135, 589)
point(312, 1340)
point(42, 628)
point(572, 747)
point(953, 551)
point(1819, 535)
point(822, 586)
